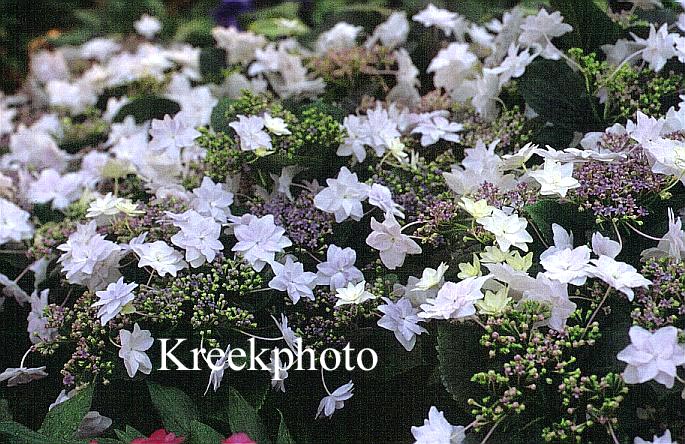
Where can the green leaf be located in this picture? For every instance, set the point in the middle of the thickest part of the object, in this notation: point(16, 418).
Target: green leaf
point(242, 417)
point(212, 62)
point(129, 434)
point(14, 433)
point(480, 11)
point(147, 108)
point(175, 407)
point(283, 436)
point(218, 119)
point(559, 95)
point(203, 434)
point(63, 420)
point(546, 212)
point(5, 414)
point(592, 27)
point(460, 356)
point(275, 28)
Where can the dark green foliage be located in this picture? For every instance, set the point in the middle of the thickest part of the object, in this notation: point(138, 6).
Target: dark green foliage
point(559, 96)
point(147, 108)
point(63, 420)
point(592, 27)
point(175, 407)
point(243, 418)
point(212, 62)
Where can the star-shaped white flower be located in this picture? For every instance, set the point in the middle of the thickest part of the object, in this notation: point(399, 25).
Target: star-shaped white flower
point(114, 299)
point(251, 132)
point(652, 356)
point(133, 347)
point(555, 178)
point(336, 400)
point(454, 300)
point(259, 240)
point(353, 294)
point(436, 430)
point(387, 237)
point(509, 230)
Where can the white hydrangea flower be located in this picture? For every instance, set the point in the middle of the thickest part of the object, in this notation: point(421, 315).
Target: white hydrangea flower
point(431, 277)
point(452, 66)
point(336, 400)
point(212, 199)
point(341, 36)
point(160, 256)
point(251, 132)
point(436, 430)
point(440, 18)
point(438, 128)
point(663, 439)
point(555, 178)
point(259, 240)
point(37, 321)
point(134, 344)
point(292, 278)
point(51, 186)
point(276, 125)
point(658, 47)
point(388, 239)
point(199, 237)
point(568, 266)
point(672, 244)
point(105, 208)
point(381, 197)
point(338, 270)
point(22, 375)
point(343, 197)
point(537, 31)
point(353, 294)
point(147, 26)
point(652, 356)
point(89, 258)
point(454, 300)
point(618, 275)
point(14, 223)
point(509, 230)
point(401, 318)
point(114, 299)
point(171, 135)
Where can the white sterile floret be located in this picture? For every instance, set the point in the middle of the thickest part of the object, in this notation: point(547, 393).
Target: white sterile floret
point(291, 278)
point(251, 132)
point(654, 356)
point(454, 300)
point(14, 223)
point(353, 294)
point(134, 344)
point(338, 269)
point(212, 199)
point(160, 256)
point(436, 430)
point(343, 197)
point(555, 178)
point(114, 299)
point(401, 318)
point(259, 240)
point(147, 26)
point(388, 239)
point(509, 230)
point(199, 237)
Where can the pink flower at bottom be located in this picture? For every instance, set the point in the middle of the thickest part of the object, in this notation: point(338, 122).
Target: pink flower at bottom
point(238, 438)
point(160, 436)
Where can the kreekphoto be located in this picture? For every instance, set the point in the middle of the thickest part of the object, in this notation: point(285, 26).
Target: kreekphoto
point(342, 222)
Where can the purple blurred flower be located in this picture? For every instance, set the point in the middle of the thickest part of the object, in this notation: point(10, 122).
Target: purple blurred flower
point(227, 12)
